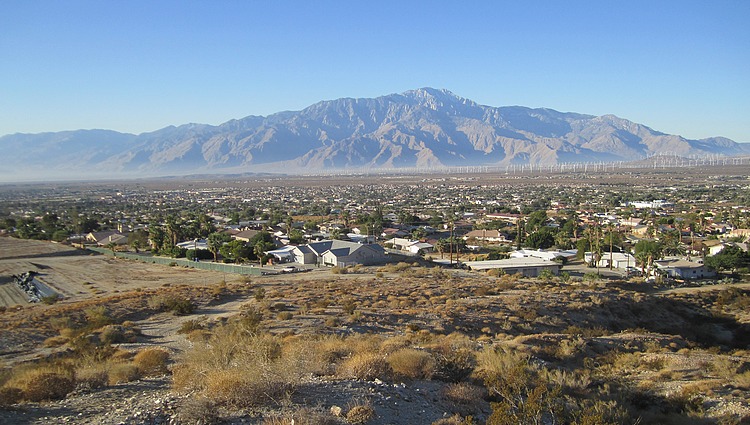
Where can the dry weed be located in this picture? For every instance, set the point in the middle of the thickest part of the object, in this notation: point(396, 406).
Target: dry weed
point(410, 363)
point(366, 366)
point(151, 362)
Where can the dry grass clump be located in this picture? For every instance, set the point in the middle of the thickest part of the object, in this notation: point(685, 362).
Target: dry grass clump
point(198, 410)
point(151, 362)
point(92, 376)
point(465, 397)
point(239, 368)
point(41, 382)
point(303, 416)
point(366, 366)
point(360, 414)
point(122, 372)
point(409, 363)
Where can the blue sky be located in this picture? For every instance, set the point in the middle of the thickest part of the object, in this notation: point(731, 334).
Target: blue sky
point(680, 67)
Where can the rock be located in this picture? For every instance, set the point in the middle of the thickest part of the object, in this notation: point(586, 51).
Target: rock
point(336, 411)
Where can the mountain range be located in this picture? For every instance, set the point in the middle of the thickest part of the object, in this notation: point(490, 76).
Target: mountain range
point(423, 128)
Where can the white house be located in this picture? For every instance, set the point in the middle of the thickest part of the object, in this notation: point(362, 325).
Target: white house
point(682, 269)
point(486, 235)
point(544, 255)
point(619, 260)
point(525, 266)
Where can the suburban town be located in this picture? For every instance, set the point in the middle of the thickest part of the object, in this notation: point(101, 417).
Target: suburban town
point(562, 270)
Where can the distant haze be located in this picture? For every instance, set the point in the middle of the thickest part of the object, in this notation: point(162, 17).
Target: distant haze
point(424, 128)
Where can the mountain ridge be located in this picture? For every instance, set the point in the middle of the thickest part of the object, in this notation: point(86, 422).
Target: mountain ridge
point(424, 127)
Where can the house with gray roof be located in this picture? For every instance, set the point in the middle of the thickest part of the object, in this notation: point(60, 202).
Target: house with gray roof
point(339, 253)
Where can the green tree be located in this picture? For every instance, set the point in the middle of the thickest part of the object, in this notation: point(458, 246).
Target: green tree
point(236, 250)
point(646, 251)
point(731, 258)
point(535, 221)
point(215, 241)
point(157, 236)
point(542, 238)
point(296, 237)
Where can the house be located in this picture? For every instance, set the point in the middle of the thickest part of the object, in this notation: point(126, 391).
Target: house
point(681, 269)
point(353, 254)
point(284, 254)
point(618, 260)
point(544, 255)
point(420, 247)
point(392, 232)
point(339, 253)
point(510, 218)
point(714, 249)
point(410, 245)
point(486, 235)
point(194, 244)
point(525, 266)
point(402, 244)
point(106, 237)
point(743, 233)
point(245, 235)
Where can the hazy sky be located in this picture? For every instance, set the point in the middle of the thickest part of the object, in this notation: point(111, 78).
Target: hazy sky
point(680, 67)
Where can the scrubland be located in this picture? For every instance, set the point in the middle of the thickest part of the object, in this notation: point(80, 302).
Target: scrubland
point(393, 344)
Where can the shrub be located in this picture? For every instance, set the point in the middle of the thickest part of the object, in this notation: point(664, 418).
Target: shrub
point(465, 397)
point(240, 368)
point(43, 385)
point(112, 334)
point(92, 377)
point(349, 305)
point(50, 299)
point(260, 293)
point(151, 361)
point(198, 411)
point(366, 366)
point(284, 315)
point(177, 305)
point(189, 326)
point(96, 317)
point(410, 363)
point(122, 372)
point(10, 395)
point(360, 414)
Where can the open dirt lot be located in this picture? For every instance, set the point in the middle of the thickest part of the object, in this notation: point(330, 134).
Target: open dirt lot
point(78, 274)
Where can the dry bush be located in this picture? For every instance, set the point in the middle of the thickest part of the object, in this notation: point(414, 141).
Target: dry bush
point(198, 410)
point(122, 372)
point(92, 376)
point(151, 362)
point(454, 356)
point(464, 397)
point(191, 325)
point(43, 382)
point(454, 420)
point(394, 344)
point(366, 366)
point(360, 414)
point(10, 395)
point(97, 317)
point(303, 416)
point(55, 341)
point(242, 369)
point(742, 380)
point(410, 363)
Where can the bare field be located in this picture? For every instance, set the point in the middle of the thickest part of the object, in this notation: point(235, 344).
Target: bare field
point(78, 274)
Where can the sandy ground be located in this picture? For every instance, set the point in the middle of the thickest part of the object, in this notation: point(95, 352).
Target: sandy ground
point(77, 274)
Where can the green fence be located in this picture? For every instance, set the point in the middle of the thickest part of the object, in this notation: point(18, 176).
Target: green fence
point(219, 267)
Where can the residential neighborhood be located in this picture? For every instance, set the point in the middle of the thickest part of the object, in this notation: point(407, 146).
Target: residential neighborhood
point(450, 223)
